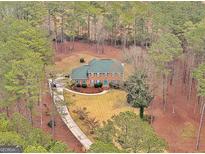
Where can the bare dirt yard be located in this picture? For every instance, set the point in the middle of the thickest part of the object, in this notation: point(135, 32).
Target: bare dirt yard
point(179, 129)
point(62, 133)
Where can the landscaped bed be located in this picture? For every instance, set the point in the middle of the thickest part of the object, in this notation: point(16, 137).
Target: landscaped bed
point(88, 90)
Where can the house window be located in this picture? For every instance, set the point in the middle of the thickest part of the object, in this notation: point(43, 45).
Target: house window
point(105, 83)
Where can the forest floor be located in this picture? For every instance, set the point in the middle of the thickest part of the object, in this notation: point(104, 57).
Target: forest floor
point(62, 133)
point(179, 129)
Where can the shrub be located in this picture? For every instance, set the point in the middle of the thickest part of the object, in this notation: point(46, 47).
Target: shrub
point(129, 98)
point(84, 85)
point(67, 76)
point(95, 85)
point(148, 118)
point(114, 85)
point(98, 85)
point(35, 149)
point(82, 60)
point(70, 84)
point(50, 124)
point(102, 147)
point(58, 147)
point(82, 113)
point(78, 85)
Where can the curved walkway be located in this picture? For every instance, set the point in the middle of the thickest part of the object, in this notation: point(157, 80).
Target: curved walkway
point(58, 99)
point(96, 94)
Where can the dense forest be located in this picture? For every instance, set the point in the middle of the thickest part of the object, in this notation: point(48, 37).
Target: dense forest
point(168, 32)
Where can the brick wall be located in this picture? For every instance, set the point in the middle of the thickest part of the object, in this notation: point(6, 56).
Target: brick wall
point(101, 77)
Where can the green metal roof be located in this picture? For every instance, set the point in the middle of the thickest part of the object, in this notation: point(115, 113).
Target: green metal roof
point(105, 66)
point(97, 66)
point(80, 72)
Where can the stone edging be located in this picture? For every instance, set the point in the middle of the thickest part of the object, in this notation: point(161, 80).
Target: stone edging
point(95, 94)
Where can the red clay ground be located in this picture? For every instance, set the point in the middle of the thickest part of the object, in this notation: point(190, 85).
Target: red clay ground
point(170, 125)
point(62, 133)
point(166, 124)
point(85, 48)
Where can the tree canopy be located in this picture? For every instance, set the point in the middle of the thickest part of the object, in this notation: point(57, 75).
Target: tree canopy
point(139, 94)
point(131, 134)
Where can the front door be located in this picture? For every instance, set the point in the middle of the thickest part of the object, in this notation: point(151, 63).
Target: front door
point(91, 83)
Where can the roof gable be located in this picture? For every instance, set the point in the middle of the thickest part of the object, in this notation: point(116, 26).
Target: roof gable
point(80, 72)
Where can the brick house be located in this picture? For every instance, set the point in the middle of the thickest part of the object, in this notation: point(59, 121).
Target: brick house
point(99, 70)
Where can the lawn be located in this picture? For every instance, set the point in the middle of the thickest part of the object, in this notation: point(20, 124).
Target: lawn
point(101, 107)
point(73, 61)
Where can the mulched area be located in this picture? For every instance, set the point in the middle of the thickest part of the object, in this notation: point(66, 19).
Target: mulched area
point(88, 90)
